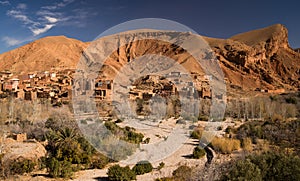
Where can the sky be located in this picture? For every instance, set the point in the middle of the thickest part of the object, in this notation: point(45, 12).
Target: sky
point(24, 21)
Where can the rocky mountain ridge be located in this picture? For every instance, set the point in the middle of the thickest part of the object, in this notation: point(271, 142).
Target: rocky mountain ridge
point(259, 59)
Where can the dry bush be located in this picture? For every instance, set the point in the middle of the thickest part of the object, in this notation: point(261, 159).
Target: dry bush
point(225, 145)
point(197, 132)
point(247, 144)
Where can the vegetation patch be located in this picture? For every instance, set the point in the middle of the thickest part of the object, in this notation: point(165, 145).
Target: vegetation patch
point(267, 166)
point(118, 173)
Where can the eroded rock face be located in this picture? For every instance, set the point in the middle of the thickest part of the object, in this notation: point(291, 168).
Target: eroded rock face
point(259, 59)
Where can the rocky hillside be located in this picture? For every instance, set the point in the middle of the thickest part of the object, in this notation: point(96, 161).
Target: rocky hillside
point(256, 59)
point(259, 59)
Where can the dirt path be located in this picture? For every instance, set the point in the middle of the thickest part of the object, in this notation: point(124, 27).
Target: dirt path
point(180, 157)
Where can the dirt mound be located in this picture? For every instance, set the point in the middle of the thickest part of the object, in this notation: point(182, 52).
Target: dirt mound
point(25, 150)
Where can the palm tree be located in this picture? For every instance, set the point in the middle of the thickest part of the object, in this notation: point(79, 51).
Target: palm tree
point(65, 135)
point(64, 145)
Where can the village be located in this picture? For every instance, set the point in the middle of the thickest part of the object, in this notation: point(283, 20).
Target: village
point(174, 83)
point(55, 86)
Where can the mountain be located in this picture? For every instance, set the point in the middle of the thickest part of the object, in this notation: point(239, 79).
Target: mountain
point(256, 59)
point(43, 54)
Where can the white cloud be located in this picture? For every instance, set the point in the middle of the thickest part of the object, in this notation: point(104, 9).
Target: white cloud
point(11, 41)
point(5, 3)
point(20, 16)
point(45, 18)
point(51, 19)
point(37, 31)
point(34, 26)
point(22, 6)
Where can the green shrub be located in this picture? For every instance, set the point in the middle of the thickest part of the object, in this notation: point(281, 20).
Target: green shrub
point(118, 173)
point(198, 152)
point(244, 170)
point(142, 167)
point(58, 168)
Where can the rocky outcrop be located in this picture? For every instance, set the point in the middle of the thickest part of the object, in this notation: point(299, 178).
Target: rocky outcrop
point(259, 59)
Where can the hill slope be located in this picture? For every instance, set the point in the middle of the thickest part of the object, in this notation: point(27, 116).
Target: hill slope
point(43, 54)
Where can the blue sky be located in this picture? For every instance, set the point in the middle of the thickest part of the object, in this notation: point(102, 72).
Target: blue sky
point(25, 21)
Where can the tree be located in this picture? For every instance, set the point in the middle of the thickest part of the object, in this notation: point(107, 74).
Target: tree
point(118, 173)
point(63, 145)
point(65, 149)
